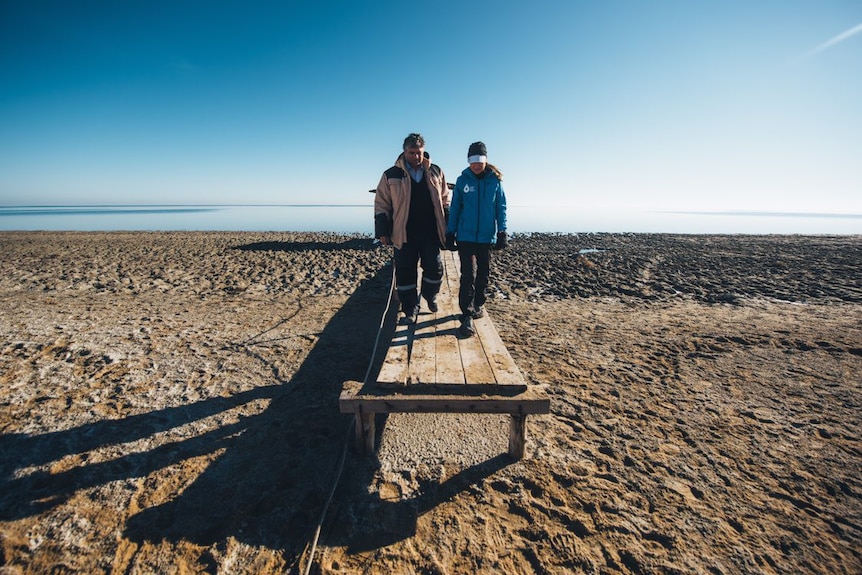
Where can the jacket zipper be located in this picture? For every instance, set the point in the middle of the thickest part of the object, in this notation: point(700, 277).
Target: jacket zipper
point(478, 207)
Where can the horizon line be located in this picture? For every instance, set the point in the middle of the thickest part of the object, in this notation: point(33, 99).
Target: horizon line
point(11, 209)
point(762, 213)
point(164, 205)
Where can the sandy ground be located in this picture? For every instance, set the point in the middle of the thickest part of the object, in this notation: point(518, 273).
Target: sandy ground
point(168, 404)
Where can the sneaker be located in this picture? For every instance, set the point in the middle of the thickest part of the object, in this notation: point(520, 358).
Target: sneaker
point(432, 304)
point(467, 325)
point(480, 312)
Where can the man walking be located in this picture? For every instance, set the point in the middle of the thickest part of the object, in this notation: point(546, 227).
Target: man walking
point(411, 206)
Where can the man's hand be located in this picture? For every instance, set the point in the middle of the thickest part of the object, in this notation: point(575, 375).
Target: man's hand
point(450, 243)
point(383, 229)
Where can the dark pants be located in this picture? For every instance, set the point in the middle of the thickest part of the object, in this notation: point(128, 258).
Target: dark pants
point(475, 269)
point(427, 252)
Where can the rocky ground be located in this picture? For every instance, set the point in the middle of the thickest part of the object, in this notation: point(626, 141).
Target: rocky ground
point(168, 404)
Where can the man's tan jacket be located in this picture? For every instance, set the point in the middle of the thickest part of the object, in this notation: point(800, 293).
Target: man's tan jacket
point(393, 199)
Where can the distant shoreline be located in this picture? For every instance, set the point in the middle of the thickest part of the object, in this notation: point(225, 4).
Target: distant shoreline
point(348, 218)
point(19, 209)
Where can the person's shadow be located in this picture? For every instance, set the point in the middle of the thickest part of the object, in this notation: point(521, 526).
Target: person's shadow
point(358, 243)
point(270, 481)
point(269, 485)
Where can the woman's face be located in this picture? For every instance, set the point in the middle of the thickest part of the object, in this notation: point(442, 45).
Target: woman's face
point(477, 167)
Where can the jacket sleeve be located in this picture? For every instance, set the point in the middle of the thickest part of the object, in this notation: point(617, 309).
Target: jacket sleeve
point(455, 208)
point(500, 208)
point(382, 209)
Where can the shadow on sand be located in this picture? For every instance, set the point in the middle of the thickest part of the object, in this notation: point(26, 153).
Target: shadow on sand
point(363, 522)
point(361, 243)
point(268, 485)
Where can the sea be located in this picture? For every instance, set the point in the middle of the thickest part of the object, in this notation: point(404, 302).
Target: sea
point(358, 219)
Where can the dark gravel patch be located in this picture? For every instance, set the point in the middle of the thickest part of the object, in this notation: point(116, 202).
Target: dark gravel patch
point(710, 268)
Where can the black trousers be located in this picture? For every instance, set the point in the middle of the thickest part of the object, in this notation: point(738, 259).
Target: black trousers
point(475, 269)
point(427, 252)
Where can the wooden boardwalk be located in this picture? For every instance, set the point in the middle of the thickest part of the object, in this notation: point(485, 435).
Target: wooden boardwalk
point(430, 367)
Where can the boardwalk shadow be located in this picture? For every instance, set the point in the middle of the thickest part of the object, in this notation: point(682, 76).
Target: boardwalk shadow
point(367, 522)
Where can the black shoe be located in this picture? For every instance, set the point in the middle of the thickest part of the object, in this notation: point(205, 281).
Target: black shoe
point(467, 325)
point(480, 312)
point(411, 316)
point(432, 304)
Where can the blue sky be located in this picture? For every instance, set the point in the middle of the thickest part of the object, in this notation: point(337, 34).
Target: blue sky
point(667, 104)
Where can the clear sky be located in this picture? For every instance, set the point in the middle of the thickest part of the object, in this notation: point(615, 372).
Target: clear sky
point(665, 104)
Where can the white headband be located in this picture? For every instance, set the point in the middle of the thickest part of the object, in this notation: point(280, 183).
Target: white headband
point(478, 159)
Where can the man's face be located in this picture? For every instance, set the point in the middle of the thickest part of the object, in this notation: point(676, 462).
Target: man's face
point(414, 156)
point(477, 167)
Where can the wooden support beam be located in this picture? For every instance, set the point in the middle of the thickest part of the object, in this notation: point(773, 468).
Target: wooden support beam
point(365, 430)
point(517, 435)
point(377, 400)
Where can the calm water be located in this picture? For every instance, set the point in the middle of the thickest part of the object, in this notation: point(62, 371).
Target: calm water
point(359, 218)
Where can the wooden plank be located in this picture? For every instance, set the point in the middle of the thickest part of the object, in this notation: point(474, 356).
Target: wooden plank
point(422, 366)
point(524, 403)
point(430, 341)
point(449, 368)
point(356, 398)
point(353, 388)
point(394, 368)
point(472, 390)
point(451, 270)
point(474, 362)
point(499, 359)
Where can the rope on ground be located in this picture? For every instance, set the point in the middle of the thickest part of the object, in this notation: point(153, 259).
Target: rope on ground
point(347, 435)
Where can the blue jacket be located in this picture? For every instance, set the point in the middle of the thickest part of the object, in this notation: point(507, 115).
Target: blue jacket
point(478, 208)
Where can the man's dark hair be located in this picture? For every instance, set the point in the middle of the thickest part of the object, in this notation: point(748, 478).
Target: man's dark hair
point(414, 141)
